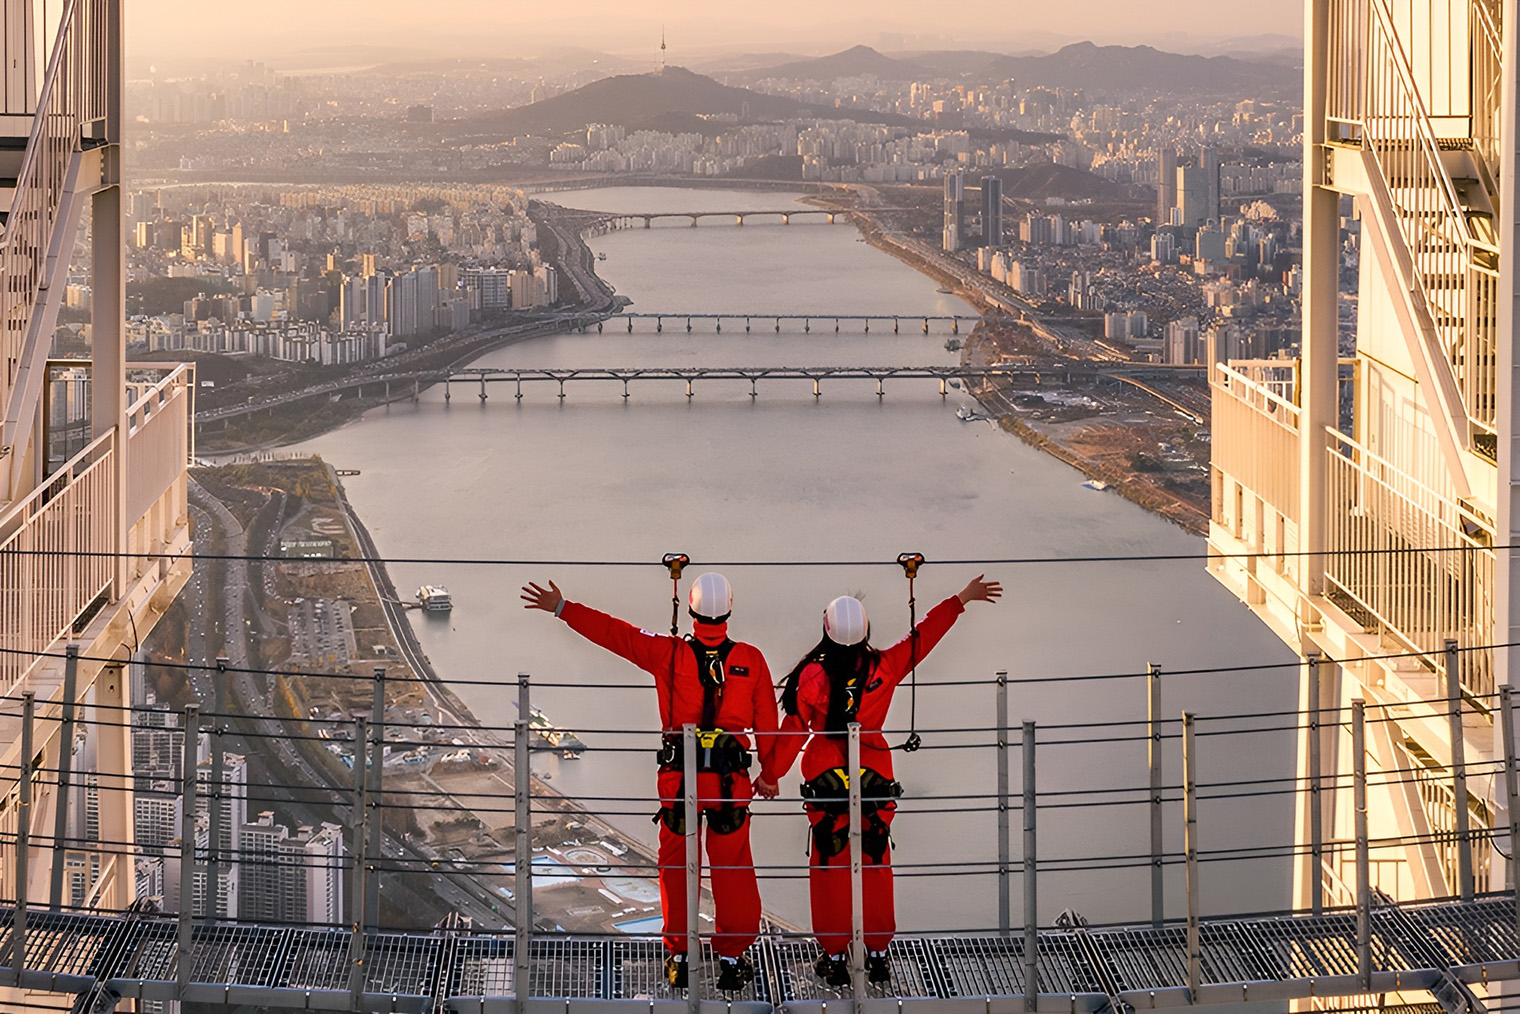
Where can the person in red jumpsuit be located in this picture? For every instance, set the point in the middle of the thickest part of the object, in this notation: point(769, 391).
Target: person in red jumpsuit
point(724, 688)
point(840, 681)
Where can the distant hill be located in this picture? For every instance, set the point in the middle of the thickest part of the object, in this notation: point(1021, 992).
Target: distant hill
point(1127, 68)
point(1037, 182)
point(854, 62)
point(1080, 65)
point(674, 101)
point(638, 101)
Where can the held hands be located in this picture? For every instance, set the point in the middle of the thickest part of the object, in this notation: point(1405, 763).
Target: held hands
point(980, 590)
point(765, 789)
point(548, 599)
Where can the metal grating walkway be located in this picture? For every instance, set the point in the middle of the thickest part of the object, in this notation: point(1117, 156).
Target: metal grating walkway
point(1438, 946)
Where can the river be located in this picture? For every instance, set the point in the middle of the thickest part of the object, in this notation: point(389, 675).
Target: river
point(786, 477)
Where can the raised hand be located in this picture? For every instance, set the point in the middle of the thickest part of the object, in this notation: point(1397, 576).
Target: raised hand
point(548, 599)
point(980, 590)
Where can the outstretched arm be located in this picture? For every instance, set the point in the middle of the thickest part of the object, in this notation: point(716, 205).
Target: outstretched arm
point(899, 659)
point(649, 651)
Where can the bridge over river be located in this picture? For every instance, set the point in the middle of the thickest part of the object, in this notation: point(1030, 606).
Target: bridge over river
point(409, 384)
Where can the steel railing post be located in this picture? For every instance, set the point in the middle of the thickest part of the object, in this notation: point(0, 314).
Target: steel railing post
point(1031, 867)
point(1005, 850)
point(522, 877)
point(1316, 789)
point(65, 774)
point(23, 833)
point(1363, 866)
point(218, 787)
point(1511, 790)
point(376, 789)
point(693, 869)
point(857, 869)
point(360, 886)
point(1464, 883)
point(1153, 758)
point(188, 793)
point(1190, 851)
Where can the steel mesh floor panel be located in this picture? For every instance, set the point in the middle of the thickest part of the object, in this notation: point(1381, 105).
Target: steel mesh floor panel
point(396, 963)
point(1071, 963)
point(566, 968)
point(156, 956)
point(1313, 947)
point(235, 955)
point(1143, 959)
point(67, 944)
point(317, 959)
point(981, 966)
point(482, 967)
point(911, 964)
point(1481, 934)
point(637, 972)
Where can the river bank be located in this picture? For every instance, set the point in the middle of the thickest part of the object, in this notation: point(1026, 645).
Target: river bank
point(447, 783)
point(1149, 449)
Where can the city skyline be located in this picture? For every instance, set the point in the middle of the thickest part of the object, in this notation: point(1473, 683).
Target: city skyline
point(345, 31)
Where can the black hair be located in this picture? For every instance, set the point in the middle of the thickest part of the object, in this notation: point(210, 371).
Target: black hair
point(840, 663)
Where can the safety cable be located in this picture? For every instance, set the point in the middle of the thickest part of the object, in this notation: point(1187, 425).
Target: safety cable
point(990, 681)
point(1006, 561)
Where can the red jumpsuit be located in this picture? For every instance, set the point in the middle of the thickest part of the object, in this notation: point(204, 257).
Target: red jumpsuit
point(749, 702)
point(829, 881)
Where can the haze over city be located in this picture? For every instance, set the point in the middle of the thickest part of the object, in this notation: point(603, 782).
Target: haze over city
point(290, 33)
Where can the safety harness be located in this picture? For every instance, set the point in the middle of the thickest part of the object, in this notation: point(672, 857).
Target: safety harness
point(718, 752)
point(829, 795)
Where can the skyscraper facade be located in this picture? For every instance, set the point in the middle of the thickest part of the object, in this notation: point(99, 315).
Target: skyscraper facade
point(1166, 184)
point(955, 212)
point(992, 211)
point(1357, 501)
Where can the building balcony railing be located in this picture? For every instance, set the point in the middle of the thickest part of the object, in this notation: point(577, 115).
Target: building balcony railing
point(1407, 561)
point(61, 557)
point(1376, 102)
point(1255, 431)
point(74, 101)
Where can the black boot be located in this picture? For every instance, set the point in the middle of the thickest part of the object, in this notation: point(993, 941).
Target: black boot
point(877, 967)
point(734, 974)
point(833, 971)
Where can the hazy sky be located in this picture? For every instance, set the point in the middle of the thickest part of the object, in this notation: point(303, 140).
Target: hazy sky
point(302, 29)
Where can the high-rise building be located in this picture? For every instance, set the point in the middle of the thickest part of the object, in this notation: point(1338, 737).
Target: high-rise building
point(992, 211)
point(955, 212)
point(1192, 197)
point(1208, 163)
point(1166, 184)
point(1357, 506)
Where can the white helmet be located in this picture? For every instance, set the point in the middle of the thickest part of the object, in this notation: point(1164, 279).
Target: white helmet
point(844, 621)
point(711, 598)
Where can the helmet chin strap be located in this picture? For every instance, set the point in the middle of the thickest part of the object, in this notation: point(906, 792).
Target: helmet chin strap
point(910, 562)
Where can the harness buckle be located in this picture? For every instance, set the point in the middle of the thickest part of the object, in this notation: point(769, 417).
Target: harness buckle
point(708, 738)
